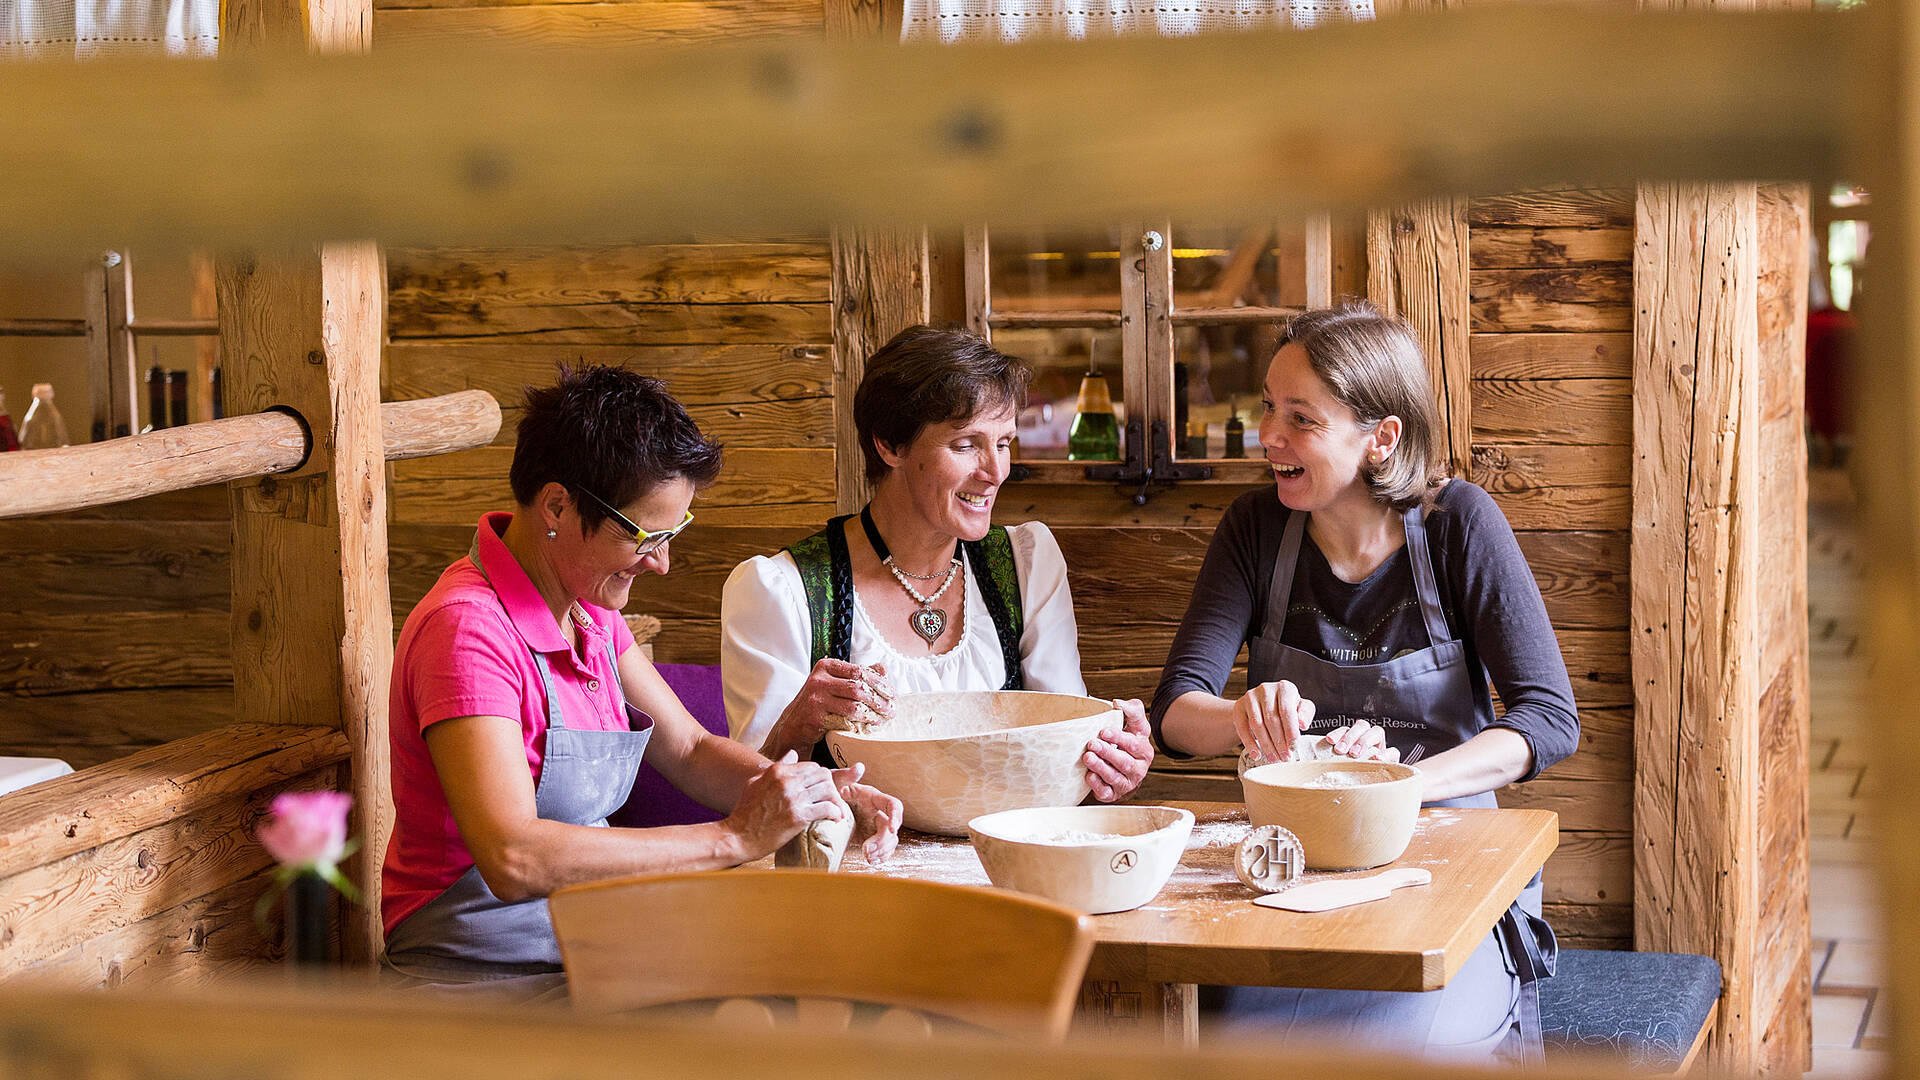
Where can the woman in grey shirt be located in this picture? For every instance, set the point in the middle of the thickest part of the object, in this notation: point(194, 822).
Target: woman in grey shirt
point(1378, 601)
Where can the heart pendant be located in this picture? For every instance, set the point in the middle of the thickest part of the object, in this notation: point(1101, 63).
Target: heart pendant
point(928, 623)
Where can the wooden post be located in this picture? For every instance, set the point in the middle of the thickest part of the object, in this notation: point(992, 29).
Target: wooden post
point(1887, 461)
point(1694, 606)
point(879, 284)
point(1417, 269)
point(312, 626)
point(122, 355)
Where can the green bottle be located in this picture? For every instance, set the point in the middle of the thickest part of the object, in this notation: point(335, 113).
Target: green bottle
point(1236, 437)
point(1095, 434)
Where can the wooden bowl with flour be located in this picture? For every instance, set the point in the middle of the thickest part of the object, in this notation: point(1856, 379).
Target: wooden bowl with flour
point(1349, 815)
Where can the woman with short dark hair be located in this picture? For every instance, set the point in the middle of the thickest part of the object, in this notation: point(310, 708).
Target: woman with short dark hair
point(519, 708)
point(919, 591)
point(1375, 598)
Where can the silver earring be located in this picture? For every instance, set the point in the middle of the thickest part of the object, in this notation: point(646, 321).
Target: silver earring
point(553, 534)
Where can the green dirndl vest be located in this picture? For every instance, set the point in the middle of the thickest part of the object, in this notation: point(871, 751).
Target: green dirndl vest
point(826, 573)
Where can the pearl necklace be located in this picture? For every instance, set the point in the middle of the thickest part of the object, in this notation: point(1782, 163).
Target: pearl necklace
point(928, 622)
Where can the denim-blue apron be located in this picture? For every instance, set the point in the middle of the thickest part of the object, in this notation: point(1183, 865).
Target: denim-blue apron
point(467, 935)
point(1423, 699)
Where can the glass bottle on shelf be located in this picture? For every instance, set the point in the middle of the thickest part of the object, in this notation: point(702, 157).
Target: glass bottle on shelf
point(1095, 434)
point(1236, 437)
point(176, 399)
point(219, 402)
point(1197, 439)
point(43, 428)
point(8, 441)
point(156, 397)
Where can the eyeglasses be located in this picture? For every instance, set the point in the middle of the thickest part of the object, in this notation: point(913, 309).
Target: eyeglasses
point(644, 542)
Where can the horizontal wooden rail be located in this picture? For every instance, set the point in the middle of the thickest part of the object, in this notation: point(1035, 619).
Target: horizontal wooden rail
point(43, 328)
point(473, 144)
point(175, 327)
point(1054, 320)
point(1217, 316)
point(220, 451)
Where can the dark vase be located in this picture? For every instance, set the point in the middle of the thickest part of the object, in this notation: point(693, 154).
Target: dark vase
point(308, 910)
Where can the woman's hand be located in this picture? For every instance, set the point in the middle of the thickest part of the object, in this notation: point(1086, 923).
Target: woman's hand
point(876, 814)
point(835, 690)
point(1269, 717)
point(783, 798)
point(1361, 741)
point(1117, 760)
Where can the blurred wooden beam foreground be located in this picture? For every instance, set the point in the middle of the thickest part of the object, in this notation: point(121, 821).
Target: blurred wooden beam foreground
point(467, 145)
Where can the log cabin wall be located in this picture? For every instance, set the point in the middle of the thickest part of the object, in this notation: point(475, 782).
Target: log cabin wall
point(739, 328)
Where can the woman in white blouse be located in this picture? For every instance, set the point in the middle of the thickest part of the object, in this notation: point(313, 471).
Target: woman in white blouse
point(919, 591)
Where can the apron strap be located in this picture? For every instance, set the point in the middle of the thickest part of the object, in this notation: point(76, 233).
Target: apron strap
point(1424, 582)
point(1280, 587)
point(1533, 950)
point(539, 658)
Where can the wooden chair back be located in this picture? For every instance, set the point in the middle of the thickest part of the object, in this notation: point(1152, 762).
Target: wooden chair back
point(996, 960)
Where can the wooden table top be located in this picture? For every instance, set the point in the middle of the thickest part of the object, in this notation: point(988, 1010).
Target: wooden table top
point(1204, 928)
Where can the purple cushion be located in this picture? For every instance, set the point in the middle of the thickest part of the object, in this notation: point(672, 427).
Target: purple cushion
point(654, 801)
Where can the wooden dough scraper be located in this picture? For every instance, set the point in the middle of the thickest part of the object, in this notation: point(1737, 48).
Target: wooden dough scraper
point(1343, 892)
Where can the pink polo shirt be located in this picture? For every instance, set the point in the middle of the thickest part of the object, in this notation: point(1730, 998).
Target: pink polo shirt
point(466, 651)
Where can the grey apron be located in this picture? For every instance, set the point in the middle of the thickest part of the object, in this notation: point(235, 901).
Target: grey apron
point(469, 935)
point(1421, 699)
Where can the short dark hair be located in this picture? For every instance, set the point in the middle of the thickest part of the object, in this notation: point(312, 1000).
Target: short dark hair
point(1372, 363)
point(608, 431)
point(928, 375)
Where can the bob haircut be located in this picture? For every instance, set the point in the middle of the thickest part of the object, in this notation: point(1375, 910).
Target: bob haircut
point(931, 376)
point(1373, 365)
point(608, 431)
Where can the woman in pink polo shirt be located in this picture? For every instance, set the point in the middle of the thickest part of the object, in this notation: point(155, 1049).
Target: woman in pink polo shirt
point(520, 711)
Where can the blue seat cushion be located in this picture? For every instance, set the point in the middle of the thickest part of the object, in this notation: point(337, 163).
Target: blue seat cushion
point(1644, 1008)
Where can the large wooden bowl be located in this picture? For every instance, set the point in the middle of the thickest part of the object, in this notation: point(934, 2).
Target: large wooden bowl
point(952, 757)
point(1095, 858)
point(1340, 828)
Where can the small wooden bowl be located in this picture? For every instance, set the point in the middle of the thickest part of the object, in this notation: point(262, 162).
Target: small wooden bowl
point(951, 757)
point(1341, 828)
point(1051, 852)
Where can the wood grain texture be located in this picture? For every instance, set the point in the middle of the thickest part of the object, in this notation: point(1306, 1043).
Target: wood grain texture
point(1696, 547)
point(66, 654)
point(757, 487)
point(311, 627)
point(65, 567)
point(109, 888)
point(1417, 259)
point(89, 729)
point(82, 811)
point(626, 323)
point(1552, 356)
point(412, 27)
point(1582, 412)
point(1556, 207)
point(1584, 298)
point(1201, 929)
point(879, 289)
point(696, 374)
point(207, 941)
point(1526, 247)
point(800, 423)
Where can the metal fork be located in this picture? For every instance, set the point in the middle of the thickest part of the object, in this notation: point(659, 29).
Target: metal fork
point(1418, 749)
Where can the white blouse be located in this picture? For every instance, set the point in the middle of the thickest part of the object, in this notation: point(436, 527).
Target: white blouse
point(766, 637)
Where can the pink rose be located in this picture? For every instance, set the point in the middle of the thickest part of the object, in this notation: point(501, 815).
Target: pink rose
point(307, 829)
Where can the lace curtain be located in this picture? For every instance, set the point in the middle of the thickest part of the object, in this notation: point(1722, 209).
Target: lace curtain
point(89, 29)
point(950, 21)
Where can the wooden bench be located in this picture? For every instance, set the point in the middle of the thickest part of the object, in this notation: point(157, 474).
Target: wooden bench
point(1649, 1011)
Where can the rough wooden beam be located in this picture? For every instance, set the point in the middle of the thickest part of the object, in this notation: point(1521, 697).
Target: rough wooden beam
point(1695, 555)
point(1417, 269)
point(801, 135)
point(880, 282)
point(34, 482)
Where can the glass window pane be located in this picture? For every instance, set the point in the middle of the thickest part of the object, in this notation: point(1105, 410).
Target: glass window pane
point(1229, 266)
point(1053, 270)
point(1061, 360)
point(1218, 372)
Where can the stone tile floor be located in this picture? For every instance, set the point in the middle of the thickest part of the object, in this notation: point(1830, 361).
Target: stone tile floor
point(1849, 1027)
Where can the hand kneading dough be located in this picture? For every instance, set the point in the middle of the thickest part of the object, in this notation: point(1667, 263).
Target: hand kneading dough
point(819, 846)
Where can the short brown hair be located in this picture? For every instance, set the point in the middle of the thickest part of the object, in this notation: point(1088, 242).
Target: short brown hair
point(1373, 365)
point(929, 376)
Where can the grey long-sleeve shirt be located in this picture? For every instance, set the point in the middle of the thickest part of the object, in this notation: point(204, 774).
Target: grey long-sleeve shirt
point(1490, 596)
